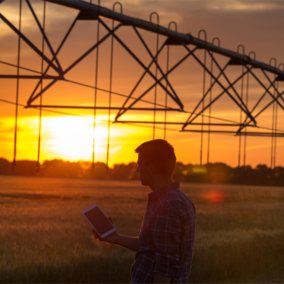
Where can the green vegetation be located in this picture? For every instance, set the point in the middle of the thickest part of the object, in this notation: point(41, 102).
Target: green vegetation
point(44, 237)
point(211, 173)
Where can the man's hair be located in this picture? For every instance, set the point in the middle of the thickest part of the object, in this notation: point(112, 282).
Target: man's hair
point(159, 153)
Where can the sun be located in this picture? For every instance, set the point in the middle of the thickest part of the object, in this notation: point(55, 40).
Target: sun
point(72, 137)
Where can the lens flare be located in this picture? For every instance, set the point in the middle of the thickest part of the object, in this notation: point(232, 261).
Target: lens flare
point(214, 197)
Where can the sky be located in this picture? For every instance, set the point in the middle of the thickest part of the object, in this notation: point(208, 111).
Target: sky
point(257, 25)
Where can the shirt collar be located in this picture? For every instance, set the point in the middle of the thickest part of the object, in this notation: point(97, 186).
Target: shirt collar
point(154, 195)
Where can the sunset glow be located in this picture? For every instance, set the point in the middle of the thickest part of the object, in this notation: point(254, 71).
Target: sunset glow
point(70, 136)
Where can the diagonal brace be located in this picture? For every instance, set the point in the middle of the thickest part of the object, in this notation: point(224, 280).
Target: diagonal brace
point(205, 95)
point(58, 50)
point(172, 69)
point(139, 61)
point(154, 59)
point(75, 63)
point(223, 92)
point(45, 37)
point(221, 85)
point(30, 44)
point(137, 84)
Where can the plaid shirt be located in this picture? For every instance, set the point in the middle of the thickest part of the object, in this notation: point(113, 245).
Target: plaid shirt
point(166, 237)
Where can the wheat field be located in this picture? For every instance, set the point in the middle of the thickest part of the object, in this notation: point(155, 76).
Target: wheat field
point(44, 237)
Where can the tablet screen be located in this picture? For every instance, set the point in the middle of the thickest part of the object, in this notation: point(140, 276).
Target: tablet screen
point(98, 220)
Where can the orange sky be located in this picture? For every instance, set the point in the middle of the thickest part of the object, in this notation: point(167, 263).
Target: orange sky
point(256, 24)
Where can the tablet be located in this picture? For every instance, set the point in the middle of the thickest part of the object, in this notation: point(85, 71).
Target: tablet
point(98, 220)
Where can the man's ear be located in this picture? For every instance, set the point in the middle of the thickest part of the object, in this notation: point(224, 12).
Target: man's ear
point(152, 169)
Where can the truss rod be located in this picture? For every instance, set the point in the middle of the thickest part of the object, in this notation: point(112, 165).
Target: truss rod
point(179, 123)
point(185, 38)
point(103, 108)
point(23, 68)
point(17, 89)
point(40, 109)
point(30, 77)
point(262, 134)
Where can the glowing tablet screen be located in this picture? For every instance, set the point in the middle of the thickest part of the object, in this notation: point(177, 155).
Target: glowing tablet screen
point(99, 220)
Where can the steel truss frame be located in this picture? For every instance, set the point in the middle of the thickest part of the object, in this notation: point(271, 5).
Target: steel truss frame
point(231, 91)
point(88, 11)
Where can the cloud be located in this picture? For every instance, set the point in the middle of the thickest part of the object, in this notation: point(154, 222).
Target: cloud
point(244, 6)
point(115, 149)
point(10, 9)
point(179, 9)
point(263, 146)
point(11, 13)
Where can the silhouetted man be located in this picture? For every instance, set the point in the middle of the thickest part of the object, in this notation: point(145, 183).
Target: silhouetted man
point(165, 243)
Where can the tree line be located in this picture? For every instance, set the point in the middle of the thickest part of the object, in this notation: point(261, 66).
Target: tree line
point(210, 173)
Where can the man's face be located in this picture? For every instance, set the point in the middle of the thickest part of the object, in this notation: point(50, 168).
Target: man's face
point(144, 170)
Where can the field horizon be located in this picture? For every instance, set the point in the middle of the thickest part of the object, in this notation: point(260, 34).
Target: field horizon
point(214, 173)
point(45, 238)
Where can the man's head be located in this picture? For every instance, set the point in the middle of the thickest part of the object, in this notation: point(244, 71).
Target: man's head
point(156, 159)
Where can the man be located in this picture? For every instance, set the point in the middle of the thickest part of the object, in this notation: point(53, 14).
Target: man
point(165, 243)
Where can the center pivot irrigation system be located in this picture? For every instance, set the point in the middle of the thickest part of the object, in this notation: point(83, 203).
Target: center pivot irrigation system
point(209, 56)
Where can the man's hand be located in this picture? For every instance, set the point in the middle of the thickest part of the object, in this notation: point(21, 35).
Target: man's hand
point(112, 238)
point(131, 243)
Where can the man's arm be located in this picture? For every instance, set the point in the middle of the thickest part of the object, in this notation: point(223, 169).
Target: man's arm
point(131, 243)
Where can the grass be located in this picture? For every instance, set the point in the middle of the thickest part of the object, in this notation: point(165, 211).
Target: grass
point(44, 237)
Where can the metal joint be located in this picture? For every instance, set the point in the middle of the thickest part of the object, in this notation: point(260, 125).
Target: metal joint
point(117, 3)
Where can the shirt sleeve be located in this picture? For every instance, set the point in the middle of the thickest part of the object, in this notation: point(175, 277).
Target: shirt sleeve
point(166, 229)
